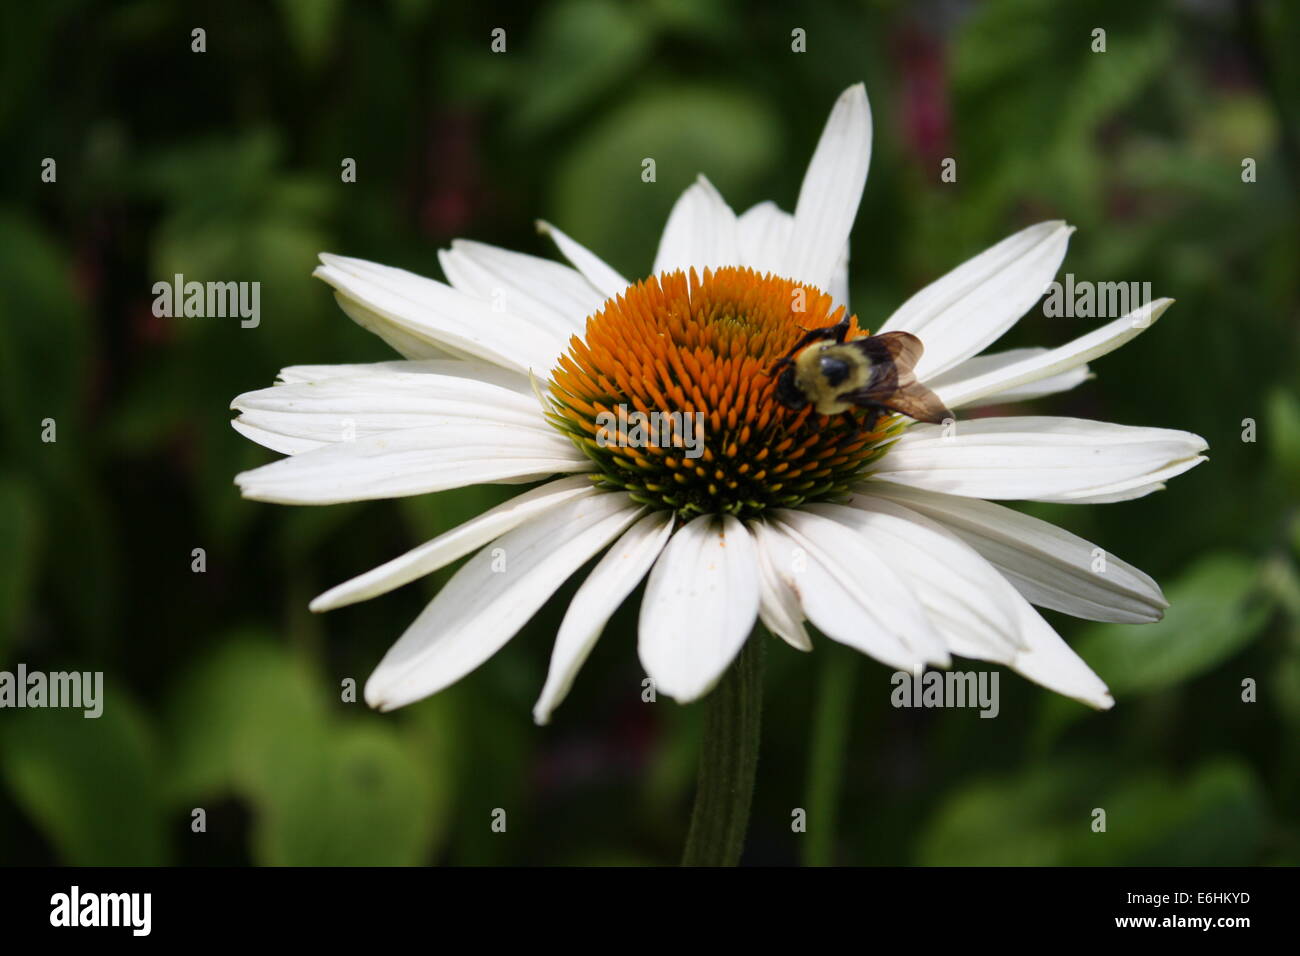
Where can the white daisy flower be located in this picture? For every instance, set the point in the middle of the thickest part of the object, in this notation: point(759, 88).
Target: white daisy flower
point(878, 533)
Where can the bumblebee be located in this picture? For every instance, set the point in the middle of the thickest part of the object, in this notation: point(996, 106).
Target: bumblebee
point(874, 373)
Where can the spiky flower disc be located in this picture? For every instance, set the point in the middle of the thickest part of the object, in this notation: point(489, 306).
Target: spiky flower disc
point(687, 346)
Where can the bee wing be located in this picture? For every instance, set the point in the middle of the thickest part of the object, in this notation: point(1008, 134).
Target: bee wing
point(911, 398)
point(902, 349)
point(893, 385)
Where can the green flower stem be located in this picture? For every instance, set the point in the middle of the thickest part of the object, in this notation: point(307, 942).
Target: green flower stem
point(826, 755)
point(728, 761)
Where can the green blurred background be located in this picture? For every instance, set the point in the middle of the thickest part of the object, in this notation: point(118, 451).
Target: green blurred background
point(223, 691)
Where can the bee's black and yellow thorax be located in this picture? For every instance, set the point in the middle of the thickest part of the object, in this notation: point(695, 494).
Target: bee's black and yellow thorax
point(824, 372)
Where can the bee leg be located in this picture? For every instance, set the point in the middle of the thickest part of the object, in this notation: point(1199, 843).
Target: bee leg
point(836, 332)
point(782, 363)
point(839, 332)
point(868, 422)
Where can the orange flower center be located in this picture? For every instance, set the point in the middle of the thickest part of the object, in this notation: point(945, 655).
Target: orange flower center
point(671, 394)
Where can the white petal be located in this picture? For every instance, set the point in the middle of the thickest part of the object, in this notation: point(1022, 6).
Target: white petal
point(831, 191)
point(1050, 662)
point(601, 276)
point(778, 604)
point(992, 364)
point(444, 317)
point(343, 408)
point(962, 593)
point(284, 444)
point(1125, 490)
point(839, 287)
point(700, 233)
point(456, 543)
point(413, 462)
point(542, 292)
point(1003, 628)
point(1037, 458)
point(606, 587)
point(459, 368)
point(1000, 627)
point(699, 606)
point(854, 597)
point(968, 309)
point(481, 608)
point(1028, 373)
point(294, 374)
point(1046, 659)
point(402, 341)
point(1048, 565)
point(763, 234)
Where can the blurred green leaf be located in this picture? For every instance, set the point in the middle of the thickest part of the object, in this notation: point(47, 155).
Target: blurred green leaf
point(247, 718)
point(1030, 93)
point(92, 785)
point(326, 788)
point(579, 49)
point(1215, 609)
point(600, 198)
point(1218, 814)
point(695, 18)
point(369, 802)
point(1283, 430)
point(431, 730)
point(1015, 822)
point(1045, 817)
